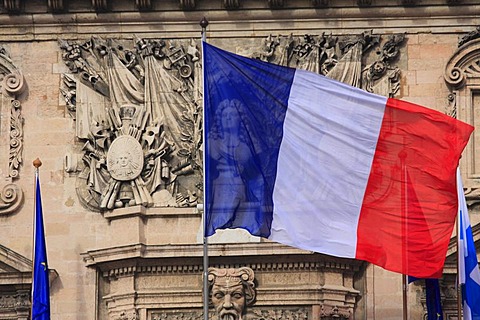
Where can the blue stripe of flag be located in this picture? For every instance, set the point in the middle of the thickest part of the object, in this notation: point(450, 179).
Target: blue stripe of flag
point(245, 106)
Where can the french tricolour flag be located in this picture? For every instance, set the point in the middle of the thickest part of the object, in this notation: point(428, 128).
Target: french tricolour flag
point(313, 163)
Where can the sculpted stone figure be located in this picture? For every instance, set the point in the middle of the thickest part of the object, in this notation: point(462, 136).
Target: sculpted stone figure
point(231, 291)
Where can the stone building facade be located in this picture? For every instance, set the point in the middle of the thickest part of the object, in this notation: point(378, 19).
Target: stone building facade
point(107, 94)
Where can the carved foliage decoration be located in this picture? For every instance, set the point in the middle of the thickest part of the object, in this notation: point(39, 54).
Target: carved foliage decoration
point(274, 313)
point(12, 87)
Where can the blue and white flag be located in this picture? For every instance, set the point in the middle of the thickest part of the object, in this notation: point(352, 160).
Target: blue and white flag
point(40, 284)
point(467, 262)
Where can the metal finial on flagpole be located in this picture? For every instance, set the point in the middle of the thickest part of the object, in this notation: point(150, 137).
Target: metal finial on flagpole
point(37, 163)
point(204, 23)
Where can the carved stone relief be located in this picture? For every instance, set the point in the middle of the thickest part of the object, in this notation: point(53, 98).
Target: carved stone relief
point(12, 89)
point(232, 291)
point(462, 75)
point(137, 112)
point(274, 313)
point(340, 58)
point(137, 107)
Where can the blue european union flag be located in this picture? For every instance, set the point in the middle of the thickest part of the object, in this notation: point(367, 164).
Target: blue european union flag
point(40, 285)
point(432, 297)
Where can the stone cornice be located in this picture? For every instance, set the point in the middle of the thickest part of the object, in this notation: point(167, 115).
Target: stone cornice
point(130, 259)
point(58, 6)
point(260, 20)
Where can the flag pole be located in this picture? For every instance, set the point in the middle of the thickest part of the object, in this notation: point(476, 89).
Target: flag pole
point(37, 164)
point(459, 286)
point(404, 208)
point(204, 24)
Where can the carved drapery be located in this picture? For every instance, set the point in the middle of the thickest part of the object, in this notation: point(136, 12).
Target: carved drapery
point(12, 88)
point(462, 75)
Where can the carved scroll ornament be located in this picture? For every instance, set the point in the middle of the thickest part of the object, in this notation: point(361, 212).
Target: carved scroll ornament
point(12, 87)
point(462, 75)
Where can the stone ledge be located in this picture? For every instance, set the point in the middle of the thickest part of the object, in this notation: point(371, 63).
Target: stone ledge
point(141, 211)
